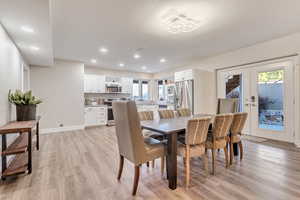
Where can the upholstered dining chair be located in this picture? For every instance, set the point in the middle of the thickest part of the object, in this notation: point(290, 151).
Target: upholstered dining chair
point(149, 115)
point(227, 105)
point(131, 143)
point(218, 137)
point(238, 123)
point(194, 145)
point(166, 114)
point(184, 112)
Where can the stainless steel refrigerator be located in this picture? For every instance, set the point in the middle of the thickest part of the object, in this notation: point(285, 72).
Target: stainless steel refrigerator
point(184, 95)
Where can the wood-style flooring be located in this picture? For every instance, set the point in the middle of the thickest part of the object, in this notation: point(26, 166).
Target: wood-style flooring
point(82, 165)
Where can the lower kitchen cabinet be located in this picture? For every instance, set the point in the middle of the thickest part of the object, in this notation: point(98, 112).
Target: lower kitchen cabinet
point(94, 116)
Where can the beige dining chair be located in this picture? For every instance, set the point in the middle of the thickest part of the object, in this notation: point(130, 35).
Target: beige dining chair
point(184, 112)
point(131, 143)
point(219, 137)
point(149, 115)
point(166, 114)
point(227, 105)
point(194, 145)
point(238, 123)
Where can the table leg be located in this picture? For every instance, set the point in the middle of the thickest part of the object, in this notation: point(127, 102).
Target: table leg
point(29, 153)
point(3, 156)
point(235, 149)
point(172, 160)
point(38, 136)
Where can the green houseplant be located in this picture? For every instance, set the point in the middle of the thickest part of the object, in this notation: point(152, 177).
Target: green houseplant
point(25, 104)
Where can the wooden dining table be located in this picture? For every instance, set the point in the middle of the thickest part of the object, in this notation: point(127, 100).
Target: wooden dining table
point(170, 128)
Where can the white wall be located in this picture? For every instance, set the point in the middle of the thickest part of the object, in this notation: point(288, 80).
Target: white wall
point(116, 73)
point(11, 70)
point(61, 89)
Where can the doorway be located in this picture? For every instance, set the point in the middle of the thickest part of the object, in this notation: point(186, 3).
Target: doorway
point(265, 92)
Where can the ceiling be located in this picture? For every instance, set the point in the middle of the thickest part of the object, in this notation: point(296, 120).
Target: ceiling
point(80, 28)
point(33, 14)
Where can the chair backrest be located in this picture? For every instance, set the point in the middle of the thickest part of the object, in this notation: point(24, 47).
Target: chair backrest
point(166, 114)
point(197, 130)
point(222, 125)
point(129, 133)
point(184, 112)
point(227, 106)
point(238, 123)
point(146, 115)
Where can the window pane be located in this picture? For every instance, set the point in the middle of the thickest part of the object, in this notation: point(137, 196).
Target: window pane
point(136, 89)
point(270, 100)
point(145, 92)
point(234, 89)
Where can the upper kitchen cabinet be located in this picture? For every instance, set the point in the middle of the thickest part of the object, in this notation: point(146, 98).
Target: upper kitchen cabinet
point(127, 84)
point(94, 83)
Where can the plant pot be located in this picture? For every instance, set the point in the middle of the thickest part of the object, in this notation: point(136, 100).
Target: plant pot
point(26, 112)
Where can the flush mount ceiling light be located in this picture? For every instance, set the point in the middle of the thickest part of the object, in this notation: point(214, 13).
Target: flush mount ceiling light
point(136, 56)
point(162, 60)
point(144, 67)
point(103, 50)
point(34, 48)
point(179, 22)
point(93, 61)
point(27, 29)
point(121, 64)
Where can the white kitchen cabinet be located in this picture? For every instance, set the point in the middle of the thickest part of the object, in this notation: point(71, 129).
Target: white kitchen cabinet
point(95, 116)
point(127, 84)
point(94, 83)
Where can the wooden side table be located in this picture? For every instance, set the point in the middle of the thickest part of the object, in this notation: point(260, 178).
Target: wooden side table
point(21, 147)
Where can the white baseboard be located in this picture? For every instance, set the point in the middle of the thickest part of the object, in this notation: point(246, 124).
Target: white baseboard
point(297, 143)
point(61, 129)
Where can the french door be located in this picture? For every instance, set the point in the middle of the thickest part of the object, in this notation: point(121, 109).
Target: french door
point(266, 94)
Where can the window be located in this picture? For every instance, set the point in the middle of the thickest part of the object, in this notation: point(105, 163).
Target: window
point(136, 89)
point(161, 90)
point(140, 90)
point(145, 90)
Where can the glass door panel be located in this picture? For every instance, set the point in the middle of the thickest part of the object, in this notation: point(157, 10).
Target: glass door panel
point(270, 100)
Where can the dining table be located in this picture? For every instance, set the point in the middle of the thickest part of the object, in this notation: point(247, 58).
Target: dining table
point(170, 129)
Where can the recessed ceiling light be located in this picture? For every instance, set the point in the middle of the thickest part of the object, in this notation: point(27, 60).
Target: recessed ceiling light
point(136, 56)
point(93, 61)
point(121, 64)
point(103, 50)
point(162, 60)
point(149, 71)
point(34, 48)
point(179, 22)
point(144, 67)
point(27, 29)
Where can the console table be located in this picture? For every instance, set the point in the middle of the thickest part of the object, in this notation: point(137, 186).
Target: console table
point(21, 147)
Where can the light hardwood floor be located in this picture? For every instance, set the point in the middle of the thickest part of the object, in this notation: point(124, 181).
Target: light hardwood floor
point(83, 165)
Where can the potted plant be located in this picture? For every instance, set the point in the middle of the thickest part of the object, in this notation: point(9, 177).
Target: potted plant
point(25, 104)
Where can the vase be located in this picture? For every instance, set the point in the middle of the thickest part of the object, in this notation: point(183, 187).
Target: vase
point(26, 112)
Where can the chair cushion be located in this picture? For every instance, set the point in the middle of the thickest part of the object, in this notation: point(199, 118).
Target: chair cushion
point(235, 138)
point(220, 144)
point(195, 150)
point(154, 148)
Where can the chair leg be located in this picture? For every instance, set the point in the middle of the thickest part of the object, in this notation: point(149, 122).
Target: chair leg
point(205, 160)
point(241, 150)
point(120, 167)
point(153, 163)
point(231, 152)
point(136, 179)
point(213, 160)
point(187, 167)
point(162, 165)
point(226, 157)
point(147, 164)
